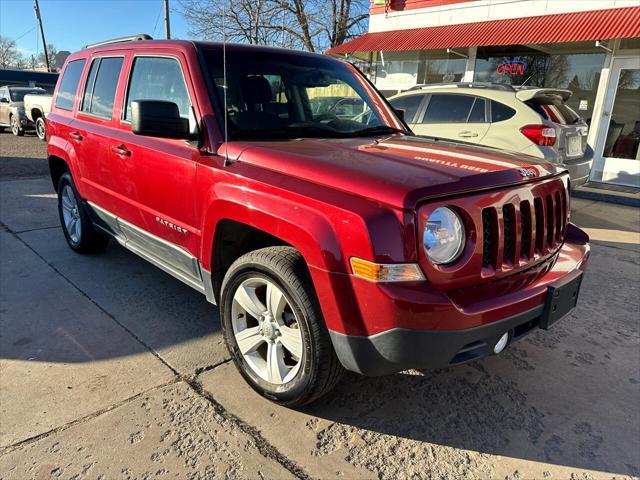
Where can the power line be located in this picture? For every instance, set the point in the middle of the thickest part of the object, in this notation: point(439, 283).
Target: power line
point(26, 33)
point(155, 25)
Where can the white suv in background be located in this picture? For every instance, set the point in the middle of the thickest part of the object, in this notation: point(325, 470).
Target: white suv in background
point(533, 121)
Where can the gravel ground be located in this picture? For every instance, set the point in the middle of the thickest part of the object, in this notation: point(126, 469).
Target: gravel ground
point(22, 156)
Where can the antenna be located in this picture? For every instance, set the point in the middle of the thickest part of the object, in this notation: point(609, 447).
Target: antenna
point(224, 82)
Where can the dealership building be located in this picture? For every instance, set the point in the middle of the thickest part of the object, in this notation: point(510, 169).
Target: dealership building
point(591, 47)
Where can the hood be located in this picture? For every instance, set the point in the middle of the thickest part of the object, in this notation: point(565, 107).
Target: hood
point(400, 171)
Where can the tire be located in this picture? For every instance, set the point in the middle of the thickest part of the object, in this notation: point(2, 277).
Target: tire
point(75, 221)
point(41, 130)
point(299, 379)
point(16, 129)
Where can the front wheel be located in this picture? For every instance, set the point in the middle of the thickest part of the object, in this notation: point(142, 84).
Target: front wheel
point(76, 223)
point(41, 129)
point(16, 129)
point(274, 329)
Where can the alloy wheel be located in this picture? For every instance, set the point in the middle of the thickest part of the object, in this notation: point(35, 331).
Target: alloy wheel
point(15, 128)
point(40, 129)
point(266, 329)
point(71, 214)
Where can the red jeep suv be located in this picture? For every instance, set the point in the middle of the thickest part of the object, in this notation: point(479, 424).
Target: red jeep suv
point(330, 242)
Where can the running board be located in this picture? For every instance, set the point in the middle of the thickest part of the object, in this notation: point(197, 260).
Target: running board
point(165, 255)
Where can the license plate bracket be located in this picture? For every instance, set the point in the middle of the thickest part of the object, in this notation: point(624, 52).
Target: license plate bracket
point(562, 297)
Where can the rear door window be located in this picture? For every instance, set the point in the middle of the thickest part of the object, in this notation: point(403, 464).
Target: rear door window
point(500, 112)
point(409, 104)
point(100, 90)
point(69, 84)
point(448, 108)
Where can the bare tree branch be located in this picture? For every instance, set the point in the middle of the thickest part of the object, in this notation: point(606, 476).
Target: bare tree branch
point(313, 25)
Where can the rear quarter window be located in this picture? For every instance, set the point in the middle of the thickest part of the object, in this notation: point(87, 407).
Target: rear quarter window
point(500, 112)
point(69, 84)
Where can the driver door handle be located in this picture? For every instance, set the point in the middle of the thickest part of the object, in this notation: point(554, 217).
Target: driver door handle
point(121, 150)
point(467, 134)
point(77, 136)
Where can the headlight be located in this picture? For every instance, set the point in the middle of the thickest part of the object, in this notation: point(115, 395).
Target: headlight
point(443, 236)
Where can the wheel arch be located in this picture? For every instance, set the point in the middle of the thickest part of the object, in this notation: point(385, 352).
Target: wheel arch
point(233, 226)
point(57, 167)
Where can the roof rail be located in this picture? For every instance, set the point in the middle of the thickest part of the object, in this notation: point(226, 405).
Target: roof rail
point(492, 86)
point(131, 38)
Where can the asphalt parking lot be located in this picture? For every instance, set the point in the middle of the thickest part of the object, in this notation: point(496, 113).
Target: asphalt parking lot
point(110, 368)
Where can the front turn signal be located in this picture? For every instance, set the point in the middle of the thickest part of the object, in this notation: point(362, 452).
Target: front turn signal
point(390, 272)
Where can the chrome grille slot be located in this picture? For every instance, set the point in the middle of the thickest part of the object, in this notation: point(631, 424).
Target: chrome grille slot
point(489, 235)
point(537, 203)
point(527, 230)
point(510, 234)
point(550, 221)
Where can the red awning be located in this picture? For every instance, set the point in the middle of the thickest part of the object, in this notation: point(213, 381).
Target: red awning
point(564, 27)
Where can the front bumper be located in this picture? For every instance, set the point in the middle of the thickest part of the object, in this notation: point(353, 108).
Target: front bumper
point(377, 329)
point(401, 349)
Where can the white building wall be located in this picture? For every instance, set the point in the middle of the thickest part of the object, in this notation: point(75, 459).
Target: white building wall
point(485, 10)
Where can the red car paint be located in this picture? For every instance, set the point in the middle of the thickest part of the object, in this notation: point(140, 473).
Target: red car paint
point(332, 199)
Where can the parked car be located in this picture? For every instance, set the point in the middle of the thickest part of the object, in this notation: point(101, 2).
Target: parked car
point(533, 121)
point(329, 244)
point(37, 107)
point(12, 113)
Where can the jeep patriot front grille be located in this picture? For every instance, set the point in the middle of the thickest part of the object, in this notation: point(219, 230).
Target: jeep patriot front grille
point(518, 232)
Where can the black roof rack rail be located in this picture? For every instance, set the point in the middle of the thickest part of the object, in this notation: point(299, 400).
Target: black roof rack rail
point(130, 38)
point(492, 86)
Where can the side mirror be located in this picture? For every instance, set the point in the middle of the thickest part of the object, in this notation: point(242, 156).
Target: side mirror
point(400, 112)
point(4, 100)
point(156, 118)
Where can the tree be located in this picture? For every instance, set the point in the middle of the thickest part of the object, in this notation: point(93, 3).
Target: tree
point(51, 52)
point(10, 56)
point(313, 25)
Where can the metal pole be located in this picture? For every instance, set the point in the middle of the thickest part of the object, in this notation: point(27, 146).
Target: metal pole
point(44, 42)
point(167, 27)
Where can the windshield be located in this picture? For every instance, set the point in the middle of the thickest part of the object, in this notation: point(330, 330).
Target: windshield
point(17, 95)
point(281, 95)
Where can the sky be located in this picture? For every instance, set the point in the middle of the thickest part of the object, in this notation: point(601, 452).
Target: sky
point(71, 24)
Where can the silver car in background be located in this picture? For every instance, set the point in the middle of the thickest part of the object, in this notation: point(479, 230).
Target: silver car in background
point(532, 121)
point(12, 113)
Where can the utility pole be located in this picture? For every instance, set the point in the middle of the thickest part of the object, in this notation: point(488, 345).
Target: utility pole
point(44, 42)
point(167, 27)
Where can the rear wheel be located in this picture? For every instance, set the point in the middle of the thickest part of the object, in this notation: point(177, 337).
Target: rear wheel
point(41, 130)
point(76, 223)
point(274, 328)
point(16, 129)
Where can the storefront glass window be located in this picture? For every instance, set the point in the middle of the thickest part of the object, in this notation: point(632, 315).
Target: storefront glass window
point(578, 72)
point(623, 136)
point(393, 72)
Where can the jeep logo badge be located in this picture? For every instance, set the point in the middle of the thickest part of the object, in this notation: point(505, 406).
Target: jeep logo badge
point(527, 172)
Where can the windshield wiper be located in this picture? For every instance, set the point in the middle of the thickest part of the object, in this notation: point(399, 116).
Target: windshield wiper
point(378, 130)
